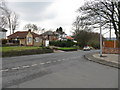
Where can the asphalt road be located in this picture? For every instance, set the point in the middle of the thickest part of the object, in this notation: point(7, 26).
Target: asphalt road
point(57, 70)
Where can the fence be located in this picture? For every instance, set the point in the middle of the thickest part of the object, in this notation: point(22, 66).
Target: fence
point(111, 47)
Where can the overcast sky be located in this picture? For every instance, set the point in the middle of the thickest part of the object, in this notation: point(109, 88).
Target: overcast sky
point(48, 14)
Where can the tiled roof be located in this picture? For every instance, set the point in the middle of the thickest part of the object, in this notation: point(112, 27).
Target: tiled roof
point(22, 34)
point(48, 33)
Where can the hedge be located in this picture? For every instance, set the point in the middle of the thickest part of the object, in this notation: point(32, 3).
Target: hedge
point(67, 43)
point(26, 52)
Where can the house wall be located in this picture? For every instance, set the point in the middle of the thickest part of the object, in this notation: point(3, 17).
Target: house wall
point(22, 41)
point(51, 38)
point(29, 35)
point(37, 42)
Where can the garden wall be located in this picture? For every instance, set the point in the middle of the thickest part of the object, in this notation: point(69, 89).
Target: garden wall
point(111, 50)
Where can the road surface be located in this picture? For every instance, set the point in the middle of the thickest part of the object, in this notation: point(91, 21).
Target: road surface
point(57, 70)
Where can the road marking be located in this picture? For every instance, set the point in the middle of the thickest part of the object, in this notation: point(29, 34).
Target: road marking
point(42, 63)
point(34, 65)
point(15, 68)
point(48, 62)
point(4, 70)
point(54, 61)
point(63, 59)
point(25, 66)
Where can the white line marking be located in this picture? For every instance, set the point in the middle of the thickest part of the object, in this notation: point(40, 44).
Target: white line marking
point(25, 66)
point(59, 60)
point(42, 63)
point(63, 59)
point(48, 62)
point(34, 65)
point(16, 68)
point(4, 70)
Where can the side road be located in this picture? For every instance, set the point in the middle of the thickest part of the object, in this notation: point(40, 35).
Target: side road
point(106, 59)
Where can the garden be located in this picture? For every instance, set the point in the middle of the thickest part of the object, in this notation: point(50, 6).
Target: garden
point(65, 45)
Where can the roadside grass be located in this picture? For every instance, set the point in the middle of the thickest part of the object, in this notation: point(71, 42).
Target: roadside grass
point(68, 49)
point(17, 48)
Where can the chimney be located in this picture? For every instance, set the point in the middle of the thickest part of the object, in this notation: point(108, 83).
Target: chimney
point(29, 30)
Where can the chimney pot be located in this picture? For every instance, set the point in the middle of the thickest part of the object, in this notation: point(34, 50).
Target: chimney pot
point(29, 30)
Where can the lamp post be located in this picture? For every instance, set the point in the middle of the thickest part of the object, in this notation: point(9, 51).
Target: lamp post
point(100, 38)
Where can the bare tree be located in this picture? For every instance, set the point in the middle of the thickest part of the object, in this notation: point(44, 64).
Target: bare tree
point(3, 14)
point(14, 21)
point(79, 25)
point(7, 17)
point(33, 27)
point(108, 10)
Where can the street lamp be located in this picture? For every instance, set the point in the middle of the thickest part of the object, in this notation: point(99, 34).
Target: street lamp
point(100, 38)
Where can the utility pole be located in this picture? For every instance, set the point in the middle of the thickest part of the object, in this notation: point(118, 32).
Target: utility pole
point(100, 38)
point(110, 30)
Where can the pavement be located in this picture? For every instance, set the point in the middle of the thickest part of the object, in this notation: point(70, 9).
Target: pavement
point(106, 59)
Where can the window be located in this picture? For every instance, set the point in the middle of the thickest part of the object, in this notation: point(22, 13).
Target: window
point(29, 39)
point(36, 39)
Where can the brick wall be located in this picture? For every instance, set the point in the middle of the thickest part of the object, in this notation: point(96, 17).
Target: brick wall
point(111, 50)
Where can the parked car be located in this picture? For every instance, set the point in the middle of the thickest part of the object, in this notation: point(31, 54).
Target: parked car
point(86, 48)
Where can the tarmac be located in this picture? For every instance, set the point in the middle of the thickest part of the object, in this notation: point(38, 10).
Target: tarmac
point(106, 59)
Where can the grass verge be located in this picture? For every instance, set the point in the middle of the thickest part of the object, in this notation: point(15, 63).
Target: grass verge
point(68, 49)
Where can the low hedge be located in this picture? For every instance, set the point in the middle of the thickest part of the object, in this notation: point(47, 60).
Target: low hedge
point(26, 52)
point(67, 43)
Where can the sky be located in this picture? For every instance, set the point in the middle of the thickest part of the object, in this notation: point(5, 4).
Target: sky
point(48, 14)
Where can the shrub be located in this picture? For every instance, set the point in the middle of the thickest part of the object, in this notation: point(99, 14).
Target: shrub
point(26, 52)
point(94, 44)
point(62, 43)
point(4, 41)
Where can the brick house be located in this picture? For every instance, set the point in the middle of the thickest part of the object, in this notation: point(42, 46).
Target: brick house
point(49, 35)
point(26, 38)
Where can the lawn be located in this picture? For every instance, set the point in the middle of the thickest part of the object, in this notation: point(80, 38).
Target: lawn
point(17, 48)
point(68, 49)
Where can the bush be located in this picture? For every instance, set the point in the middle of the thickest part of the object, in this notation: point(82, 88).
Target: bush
point(94, 44)
point(62, 43)
point(26, 52)
point(4, 41)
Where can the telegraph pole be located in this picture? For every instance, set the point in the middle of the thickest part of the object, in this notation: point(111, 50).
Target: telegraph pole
point(110, 30)
point(100, 38)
